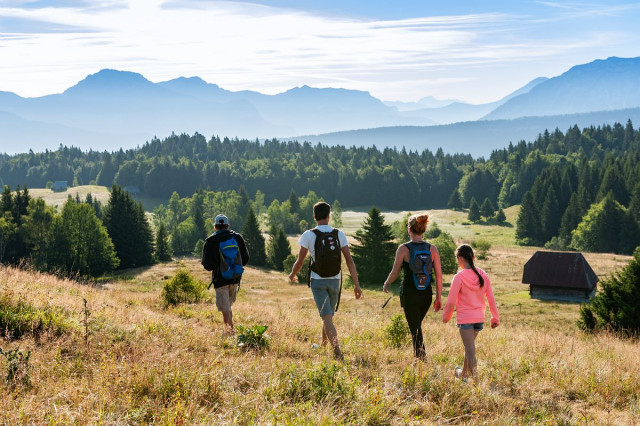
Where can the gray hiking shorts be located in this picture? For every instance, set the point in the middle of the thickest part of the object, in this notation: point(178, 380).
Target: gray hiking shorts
point(326, 294)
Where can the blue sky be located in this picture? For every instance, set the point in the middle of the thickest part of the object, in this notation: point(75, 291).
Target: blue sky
point(476, 51)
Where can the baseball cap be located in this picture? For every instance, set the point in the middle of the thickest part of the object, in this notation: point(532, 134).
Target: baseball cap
point(221, 220)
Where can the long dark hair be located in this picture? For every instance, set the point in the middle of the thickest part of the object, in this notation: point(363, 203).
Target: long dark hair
point(466, 252)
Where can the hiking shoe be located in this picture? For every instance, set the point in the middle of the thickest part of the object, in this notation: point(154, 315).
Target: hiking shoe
point(337, 354)
point(458, 372)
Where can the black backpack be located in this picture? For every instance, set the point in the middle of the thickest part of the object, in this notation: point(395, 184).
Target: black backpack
point(327, 258)
point(420, 264)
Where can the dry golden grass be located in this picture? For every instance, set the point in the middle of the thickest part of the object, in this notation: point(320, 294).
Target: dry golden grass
point(57, 199)
point(148, 364)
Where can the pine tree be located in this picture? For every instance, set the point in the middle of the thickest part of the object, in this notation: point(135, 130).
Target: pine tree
point(634, 203)
point(500, 216)
point(108, 172)
point(487, 210)
point(375, 252)
point(474, 210)
point(607, 227)
point(243, 207)
point(36, 230)
point(279, 248)
point(294, 203)
point(254, 240)
point(336, 214)
point(528, 226)
point(198, 219)
point(617, 305)
point(6, 201)
point(129, 229)
point(455, 202)
point(7, 233)
point(162, 249)
point(550, 215)
point(571, 217)
point(613, 182)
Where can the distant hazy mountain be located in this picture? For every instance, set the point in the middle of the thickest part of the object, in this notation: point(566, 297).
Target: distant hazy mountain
point(305, 109)
point(609, 84)
point(426, 102)
point(478, 138)
point(112, 109)
point(457, 112)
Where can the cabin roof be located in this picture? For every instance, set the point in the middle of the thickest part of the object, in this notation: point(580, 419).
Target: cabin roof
point(560, 270)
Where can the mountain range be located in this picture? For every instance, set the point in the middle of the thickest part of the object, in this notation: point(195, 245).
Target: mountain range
point(112, 109)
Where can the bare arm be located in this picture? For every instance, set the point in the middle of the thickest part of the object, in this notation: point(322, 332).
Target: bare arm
point(452, 299)
point(401, 254)
point(298, 265)
point(352, 271)
point(435, 255)
point(495, 317)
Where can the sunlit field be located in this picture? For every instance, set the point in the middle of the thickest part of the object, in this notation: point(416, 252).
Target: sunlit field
point(141, 362)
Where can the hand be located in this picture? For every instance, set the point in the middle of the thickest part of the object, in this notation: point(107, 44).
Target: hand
point(494, 322)
point(293, 277)
point(437, 304)
point(385, 288)
point(357, 291)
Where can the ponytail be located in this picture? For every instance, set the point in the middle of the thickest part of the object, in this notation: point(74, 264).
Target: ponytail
point(466, 252)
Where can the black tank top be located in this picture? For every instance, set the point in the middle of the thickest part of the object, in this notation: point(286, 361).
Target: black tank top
point(408, 287)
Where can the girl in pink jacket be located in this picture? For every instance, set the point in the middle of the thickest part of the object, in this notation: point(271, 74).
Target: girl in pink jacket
point(469, 288)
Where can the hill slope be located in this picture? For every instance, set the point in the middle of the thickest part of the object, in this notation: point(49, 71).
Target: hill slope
point(477, 138)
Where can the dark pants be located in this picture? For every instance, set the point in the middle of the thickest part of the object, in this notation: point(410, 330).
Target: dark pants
point(415, 305)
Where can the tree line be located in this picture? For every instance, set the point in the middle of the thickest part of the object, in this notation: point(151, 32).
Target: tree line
point(83, 239)
point(390, 178)
point(582, 202)
point(543, 176)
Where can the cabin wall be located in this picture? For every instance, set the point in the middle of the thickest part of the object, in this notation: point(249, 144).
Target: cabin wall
point(560, 294)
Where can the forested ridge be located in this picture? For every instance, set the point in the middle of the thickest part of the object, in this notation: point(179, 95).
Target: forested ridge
point(558, 177)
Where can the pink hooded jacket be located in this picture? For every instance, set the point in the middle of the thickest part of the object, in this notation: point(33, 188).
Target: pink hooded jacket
point(468, 298)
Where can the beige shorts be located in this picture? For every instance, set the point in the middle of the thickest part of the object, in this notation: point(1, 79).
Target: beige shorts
point(225, 296)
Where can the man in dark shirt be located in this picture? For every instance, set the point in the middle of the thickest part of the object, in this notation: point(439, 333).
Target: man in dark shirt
point(225, 275)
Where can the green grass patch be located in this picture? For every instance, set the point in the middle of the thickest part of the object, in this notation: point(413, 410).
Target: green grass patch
point(19, 319)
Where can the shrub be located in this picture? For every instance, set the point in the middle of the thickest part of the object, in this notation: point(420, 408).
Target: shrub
point(397, 332)
point(482, 248)
point(447, 250)
point(253, 337)
point(197, 250)
point(303, 274)
point(183, 288)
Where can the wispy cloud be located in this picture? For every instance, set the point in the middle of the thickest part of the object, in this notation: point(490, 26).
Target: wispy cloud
point(52, 45)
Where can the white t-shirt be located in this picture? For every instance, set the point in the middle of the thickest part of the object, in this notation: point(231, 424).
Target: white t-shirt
point(308, 241)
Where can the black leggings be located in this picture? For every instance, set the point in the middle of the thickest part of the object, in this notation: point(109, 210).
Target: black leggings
point(415, 305)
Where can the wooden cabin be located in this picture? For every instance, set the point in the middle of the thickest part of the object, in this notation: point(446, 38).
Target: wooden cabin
point(564, 276)
point(59, 186)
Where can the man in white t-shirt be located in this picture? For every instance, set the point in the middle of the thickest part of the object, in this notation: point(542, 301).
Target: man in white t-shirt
point(326, 289)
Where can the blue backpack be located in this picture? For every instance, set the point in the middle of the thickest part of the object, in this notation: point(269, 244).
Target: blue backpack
point(230, 259)
point(420, 264)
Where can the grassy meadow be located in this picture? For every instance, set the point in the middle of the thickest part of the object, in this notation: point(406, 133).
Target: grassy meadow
point(127, 358)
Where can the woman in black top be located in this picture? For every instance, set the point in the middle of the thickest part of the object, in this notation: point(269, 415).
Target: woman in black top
point(416, 294)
